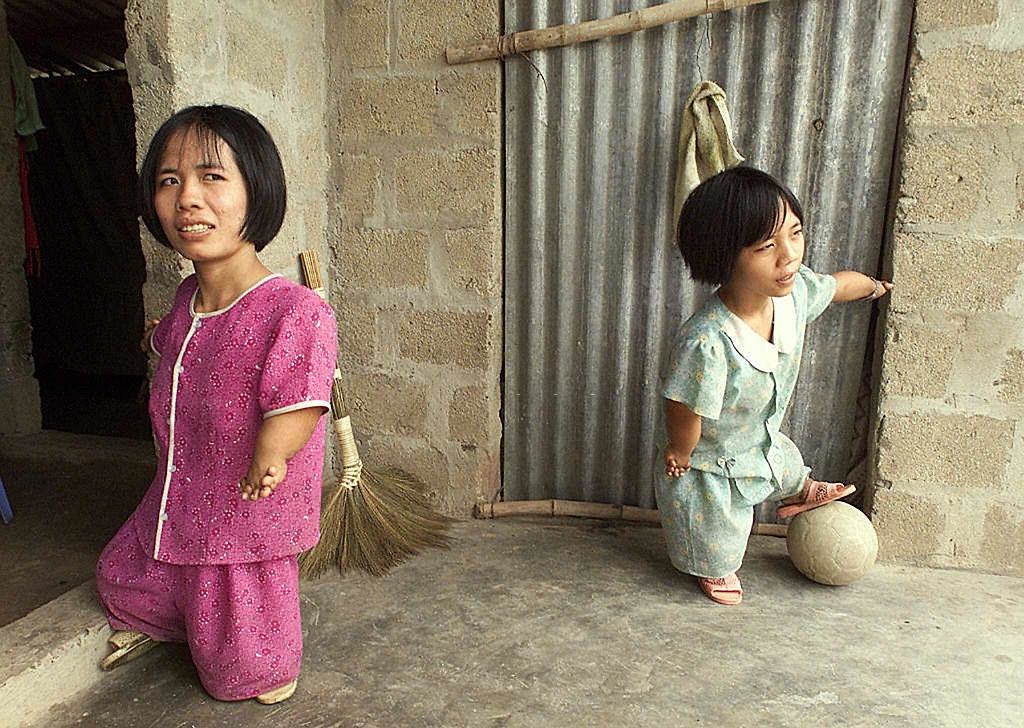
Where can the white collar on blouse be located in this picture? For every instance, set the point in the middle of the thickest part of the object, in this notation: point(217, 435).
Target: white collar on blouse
point(762, 354)
point(243, 294)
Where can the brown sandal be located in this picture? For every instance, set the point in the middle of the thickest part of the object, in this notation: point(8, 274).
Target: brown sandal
point(127, 646)
point(722, 589)
point(278, 694)
point(816, 493)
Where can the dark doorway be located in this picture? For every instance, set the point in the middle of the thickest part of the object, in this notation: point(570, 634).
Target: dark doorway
point(85, 278)
point(86, 299)
point(73, 484)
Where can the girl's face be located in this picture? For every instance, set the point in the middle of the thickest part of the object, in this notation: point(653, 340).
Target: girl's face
point(201, 198)
point(769, 267)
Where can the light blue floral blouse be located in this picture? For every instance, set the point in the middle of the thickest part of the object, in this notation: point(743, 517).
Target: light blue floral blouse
point(740, 384)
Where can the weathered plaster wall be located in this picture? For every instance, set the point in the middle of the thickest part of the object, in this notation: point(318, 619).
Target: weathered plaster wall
point(950, 448)
point(417, 247)
point(19, 390)
point(264, 56)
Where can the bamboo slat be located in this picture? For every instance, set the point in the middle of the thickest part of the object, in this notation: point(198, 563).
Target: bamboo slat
point(511, 44)
point(605, 511)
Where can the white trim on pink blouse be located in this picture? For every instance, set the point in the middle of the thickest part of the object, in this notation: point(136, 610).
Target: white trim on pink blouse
point(169, 468)
point(197, 322)
point(297, 406)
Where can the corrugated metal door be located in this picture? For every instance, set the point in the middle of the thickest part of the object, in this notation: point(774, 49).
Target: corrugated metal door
point(594, 287)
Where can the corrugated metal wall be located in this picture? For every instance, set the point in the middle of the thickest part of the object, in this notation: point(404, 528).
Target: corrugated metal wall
point(595, 288)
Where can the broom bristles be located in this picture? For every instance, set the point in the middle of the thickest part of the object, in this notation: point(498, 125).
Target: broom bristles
point(376, 525)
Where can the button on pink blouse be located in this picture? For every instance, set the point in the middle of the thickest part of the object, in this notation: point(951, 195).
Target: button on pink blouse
point(220, 375)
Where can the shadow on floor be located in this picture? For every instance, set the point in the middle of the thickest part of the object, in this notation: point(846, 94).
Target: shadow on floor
point(70, 493)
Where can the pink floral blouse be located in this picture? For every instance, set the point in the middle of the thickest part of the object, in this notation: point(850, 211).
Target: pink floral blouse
point(220, 375)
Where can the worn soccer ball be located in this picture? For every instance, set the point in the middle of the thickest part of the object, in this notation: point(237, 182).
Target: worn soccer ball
point(834, 544)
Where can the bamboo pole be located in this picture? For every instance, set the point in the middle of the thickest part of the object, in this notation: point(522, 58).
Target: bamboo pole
point(514, 508)
point(770, 529)
point(606, 511)
point(510, 44)
point(556, 507)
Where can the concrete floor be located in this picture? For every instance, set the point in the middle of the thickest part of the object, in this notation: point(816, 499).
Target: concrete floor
point(578, 623)
point(70, 493)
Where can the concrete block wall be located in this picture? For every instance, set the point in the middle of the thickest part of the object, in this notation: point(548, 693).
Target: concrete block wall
point(950, 446)
point(19, 391)
point(264, 56)
point(416, 238)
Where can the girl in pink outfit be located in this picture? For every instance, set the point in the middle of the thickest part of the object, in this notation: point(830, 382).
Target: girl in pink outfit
point(237, 403)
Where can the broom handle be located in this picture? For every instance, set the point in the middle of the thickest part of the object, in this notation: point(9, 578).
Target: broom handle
point(343, 427)
point(350, 460)
point(310, 262)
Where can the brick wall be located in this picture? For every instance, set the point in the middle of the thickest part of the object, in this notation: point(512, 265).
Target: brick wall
point(19, 390)
point(264, 56)
point(417, 248)
point(950, 447)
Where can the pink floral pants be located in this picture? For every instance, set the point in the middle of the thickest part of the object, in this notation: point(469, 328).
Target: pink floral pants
point(241, 621)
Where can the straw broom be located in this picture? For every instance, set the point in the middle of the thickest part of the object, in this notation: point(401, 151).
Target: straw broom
point(373, 520)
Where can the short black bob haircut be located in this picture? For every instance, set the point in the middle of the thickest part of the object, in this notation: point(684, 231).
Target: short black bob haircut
point(724, 214)
point(255, 154)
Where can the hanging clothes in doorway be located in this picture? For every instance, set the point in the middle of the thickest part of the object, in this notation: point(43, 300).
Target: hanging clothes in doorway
point(26, 123)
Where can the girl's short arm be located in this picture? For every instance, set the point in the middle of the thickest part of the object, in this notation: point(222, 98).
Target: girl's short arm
point(854, 286)
point(283, 435)
point(683, 426)
point(147, 343)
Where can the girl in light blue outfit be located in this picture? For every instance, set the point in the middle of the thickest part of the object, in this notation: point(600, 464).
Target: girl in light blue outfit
point(733, 368)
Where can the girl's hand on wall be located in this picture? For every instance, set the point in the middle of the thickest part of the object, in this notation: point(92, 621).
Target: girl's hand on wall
point(675, 463)
point(147, 335)
point(881, 289)
point(262, 479)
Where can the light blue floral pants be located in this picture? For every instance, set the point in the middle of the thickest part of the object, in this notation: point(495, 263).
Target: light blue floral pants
point(707, 517)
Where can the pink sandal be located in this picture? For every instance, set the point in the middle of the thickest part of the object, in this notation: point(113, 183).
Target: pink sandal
point(722, 589)
point(816, 493)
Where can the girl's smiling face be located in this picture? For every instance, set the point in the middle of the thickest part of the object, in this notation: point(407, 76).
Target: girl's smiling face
point(201, 198)
point(769, 267)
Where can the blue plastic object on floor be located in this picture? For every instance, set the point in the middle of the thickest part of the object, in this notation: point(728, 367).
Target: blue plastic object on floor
point(5, 505)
